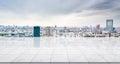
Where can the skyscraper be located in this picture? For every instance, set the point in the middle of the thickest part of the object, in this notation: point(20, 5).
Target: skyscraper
point(36, 31)
point(109, 25)
point(48, 31)
point(98, 28)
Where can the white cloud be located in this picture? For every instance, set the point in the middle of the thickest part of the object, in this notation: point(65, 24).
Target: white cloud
point(74, 19)
point(58, 12)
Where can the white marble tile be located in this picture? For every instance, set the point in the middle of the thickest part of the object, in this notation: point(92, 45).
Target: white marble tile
point(4, 51)
point(41, 58)
point(104, 51)
point(55, 52)
point(24, 58)
point(45, 52)
point(112, 58)
point(7, 57)
point(74, 52)
point(77, 58)
point(89, 51)
point(30, 52)
point(94, 58)
point(59, 58)
point(16, 52)
point(60, 50)
point(116, 51)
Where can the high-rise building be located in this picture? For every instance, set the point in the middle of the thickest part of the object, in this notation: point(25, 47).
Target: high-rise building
point(48, 31)
point(65, 29)
point(98, 28)
point(36, 31)
point(109, 25)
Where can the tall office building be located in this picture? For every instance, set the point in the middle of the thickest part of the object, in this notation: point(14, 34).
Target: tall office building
point(98, 28)
point(109, 25)
point(48, 31)
point(65, 29)
point(36, 31)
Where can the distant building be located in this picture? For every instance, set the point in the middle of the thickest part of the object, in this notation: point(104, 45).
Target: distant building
point(98, 28)
point(36, 31)
point(48, 31)
point(109, 25)
point(118, 29)
point(66, 29)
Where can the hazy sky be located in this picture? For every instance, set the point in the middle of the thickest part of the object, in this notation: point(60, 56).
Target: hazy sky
point(59, 12)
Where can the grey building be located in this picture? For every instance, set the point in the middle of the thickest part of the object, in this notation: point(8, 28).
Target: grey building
point(109, 25)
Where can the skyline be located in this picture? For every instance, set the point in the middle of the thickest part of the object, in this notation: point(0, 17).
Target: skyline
point(59, 12)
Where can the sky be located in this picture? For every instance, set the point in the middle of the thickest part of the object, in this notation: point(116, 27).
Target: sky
point(75, 13)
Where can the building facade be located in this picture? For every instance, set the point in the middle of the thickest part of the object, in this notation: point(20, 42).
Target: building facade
point(36, 31)
point(48, 31)
point(109, 25)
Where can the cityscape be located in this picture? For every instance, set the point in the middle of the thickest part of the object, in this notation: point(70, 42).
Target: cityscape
point(55, 31)
point(59, 31)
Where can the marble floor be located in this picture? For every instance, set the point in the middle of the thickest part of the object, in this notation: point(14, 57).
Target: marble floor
point(51, 49)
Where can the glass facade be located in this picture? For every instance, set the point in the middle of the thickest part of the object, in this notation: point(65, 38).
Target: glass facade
point(109, 25)
point(36, 31)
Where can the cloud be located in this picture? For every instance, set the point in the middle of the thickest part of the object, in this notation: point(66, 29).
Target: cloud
point(49, 7)
point(107, 5)
point(45, 6)
point(59, 12)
